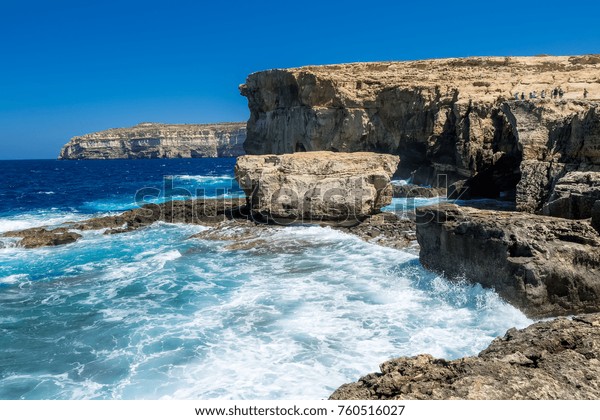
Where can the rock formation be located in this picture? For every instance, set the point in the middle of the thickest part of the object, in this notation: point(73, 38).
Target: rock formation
point(151, 140)
point(545, 266)
point(38, 237)
point(229, 219)
point(574, 195)
point(414, 191)
point(557, 359)
point(459, 118)
point(199, 211)
point(317, 186)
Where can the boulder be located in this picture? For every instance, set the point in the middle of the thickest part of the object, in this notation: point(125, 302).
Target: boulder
point(557, 359)
point(545, 266)
point(316, 186)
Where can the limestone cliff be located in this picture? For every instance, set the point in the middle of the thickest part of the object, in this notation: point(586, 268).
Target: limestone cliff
point(463, 118)
point(152, 140)
point(543, 265)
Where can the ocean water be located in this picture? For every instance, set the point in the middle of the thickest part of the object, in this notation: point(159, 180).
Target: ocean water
point(153, 314)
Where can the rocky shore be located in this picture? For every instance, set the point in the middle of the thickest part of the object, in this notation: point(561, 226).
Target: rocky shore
point(490, 128)
point(557, 359)
point(220, 215)
point(343, 191)
point(544, 266)
point(524, 130)
point(153, 140)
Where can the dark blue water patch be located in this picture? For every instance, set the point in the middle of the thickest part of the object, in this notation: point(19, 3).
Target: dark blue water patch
point(93, 186)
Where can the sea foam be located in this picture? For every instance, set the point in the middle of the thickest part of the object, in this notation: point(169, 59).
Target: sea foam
point(152, 314)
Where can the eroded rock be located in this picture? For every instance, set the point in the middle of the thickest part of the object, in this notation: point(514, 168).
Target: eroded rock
point(413, 191)
point(545, 266)
point(385, 229)
point(557, 359)
point(199, 211)
point(39, 237)
point(447, 119)
point(317, 186)
point(574, 195)
point(596, 216)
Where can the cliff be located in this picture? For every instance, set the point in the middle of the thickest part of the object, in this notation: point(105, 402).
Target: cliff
point(461, 118)
point(153, 140)
point(543, 265)
point(558, 359)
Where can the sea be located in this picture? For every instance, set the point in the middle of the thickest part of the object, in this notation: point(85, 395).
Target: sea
point(155, 314)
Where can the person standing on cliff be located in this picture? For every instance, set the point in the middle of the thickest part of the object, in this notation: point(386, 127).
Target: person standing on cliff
point(585, 93)
point(522, 96)
point(560, 93)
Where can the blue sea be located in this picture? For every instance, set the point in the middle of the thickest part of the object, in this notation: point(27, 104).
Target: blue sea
point(153, 314)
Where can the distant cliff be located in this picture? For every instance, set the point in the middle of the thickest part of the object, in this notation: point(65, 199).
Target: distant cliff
point(153, 140)
point(510, 126)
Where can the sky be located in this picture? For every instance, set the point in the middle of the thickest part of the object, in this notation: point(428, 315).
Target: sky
point(72, 67)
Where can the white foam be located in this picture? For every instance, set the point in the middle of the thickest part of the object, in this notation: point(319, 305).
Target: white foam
point(37, 219)
point(14, 279)
point(203, 178)
point(311, 310)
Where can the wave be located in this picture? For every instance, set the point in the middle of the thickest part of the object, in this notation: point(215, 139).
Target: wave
point(150, 314)
point(51, 218)
point(204, 178)
point(14, 279)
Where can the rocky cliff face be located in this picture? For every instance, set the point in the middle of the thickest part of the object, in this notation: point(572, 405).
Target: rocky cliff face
point(557, 359)
point(543, 265)
point(151, 140)
point(452, 117)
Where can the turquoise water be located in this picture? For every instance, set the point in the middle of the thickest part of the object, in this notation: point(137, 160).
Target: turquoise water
point(154, 314)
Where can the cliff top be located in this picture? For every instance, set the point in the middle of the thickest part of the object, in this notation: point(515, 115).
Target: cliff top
point(484, 78)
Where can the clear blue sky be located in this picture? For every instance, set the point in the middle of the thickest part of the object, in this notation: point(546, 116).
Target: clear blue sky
point(72, 67)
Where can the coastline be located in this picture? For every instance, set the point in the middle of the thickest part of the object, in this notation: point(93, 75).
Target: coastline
point(231, 220)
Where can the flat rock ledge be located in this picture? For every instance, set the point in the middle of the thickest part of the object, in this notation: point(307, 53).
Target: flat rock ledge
point(317, 186)
point(557, 359)
point(40, 236)
point(221, 215)
point(545, 266)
